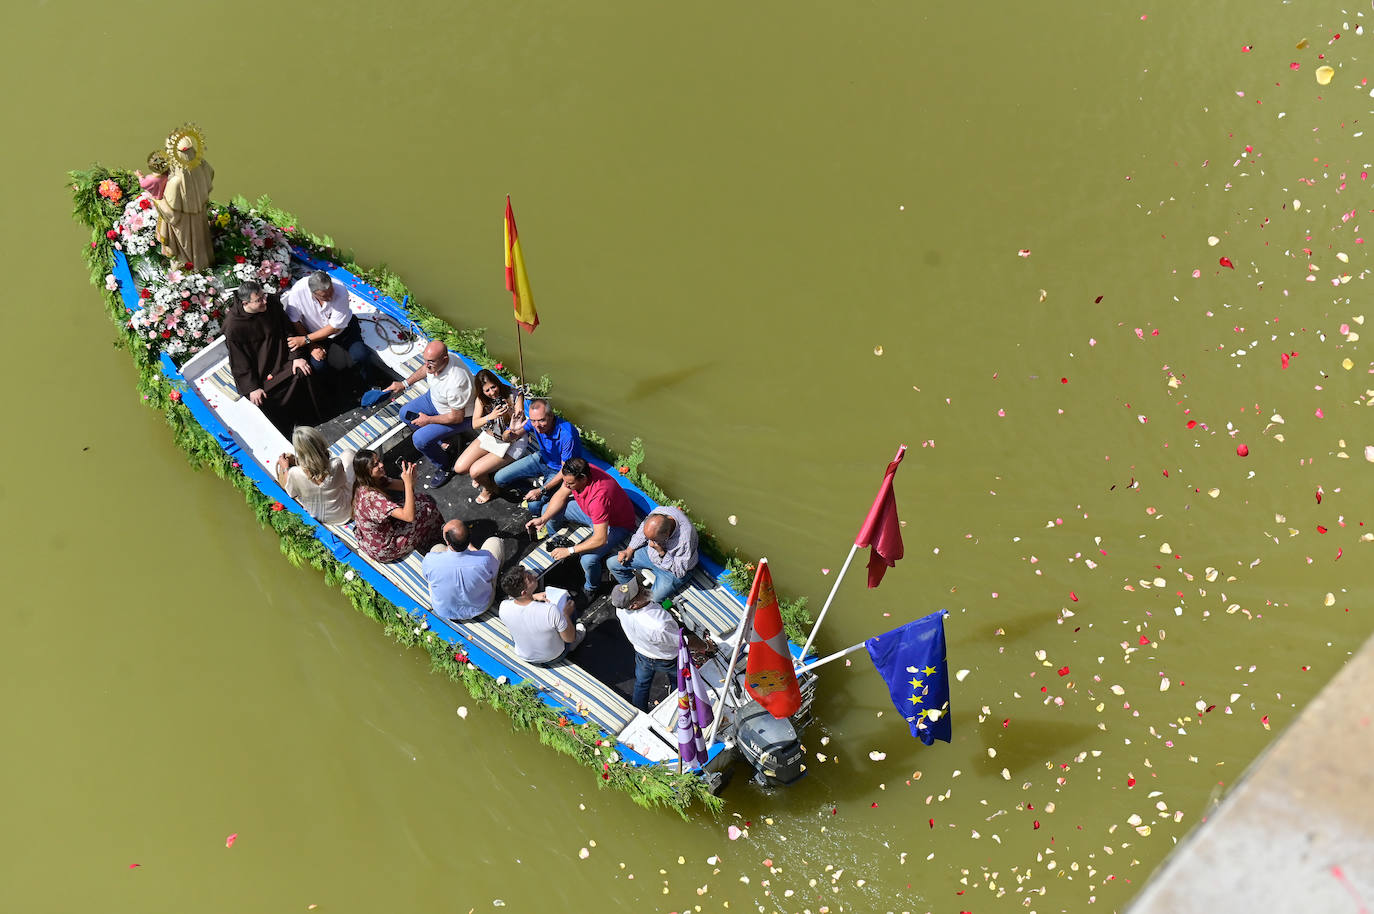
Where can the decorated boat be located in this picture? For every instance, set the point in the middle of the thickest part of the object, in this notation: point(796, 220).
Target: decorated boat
point(169, 317)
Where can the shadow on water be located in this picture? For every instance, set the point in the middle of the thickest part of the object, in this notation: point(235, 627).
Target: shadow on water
point(664, 380)
point(1027, 742)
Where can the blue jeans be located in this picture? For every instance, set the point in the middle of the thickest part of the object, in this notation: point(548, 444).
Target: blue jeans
point(665, 583)
point(531, 466)
point(645, 668)
point(429, 439)
point(593, 560)
point(350, 339)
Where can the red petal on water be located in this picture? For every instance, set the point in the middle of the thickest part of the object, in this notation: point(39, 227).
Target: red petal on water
point(1339, 552)
point(132, 865)
point(932, 823)
point(1130, 782)
point(1319, 496)
point(1192, 423)
point(1006, 722)
point(1098, 300)
point(1294, 65)
point(1209, 710)
point(1283, 359)
point(1320, 528)
point(1226, 262)
point(1035, 824)
point(1073, 596)
point(1063, 380)
point(1063, 671)
point(1166, 474)
point(1144, 639)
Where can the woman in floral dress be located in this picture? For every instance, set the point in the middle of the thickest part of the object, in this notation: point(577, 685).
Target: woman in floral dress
point(387, 531)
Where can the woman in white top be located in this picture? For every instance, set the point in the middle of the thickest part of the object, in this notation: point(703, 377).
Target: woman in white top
point(322, 484)
point(500, 412)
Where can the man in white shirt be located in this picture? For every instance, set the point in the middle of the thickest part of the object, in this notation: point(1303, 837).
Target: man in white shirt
point(541, 626)
point(442, 411)
point(323, 322)
point(651, 631)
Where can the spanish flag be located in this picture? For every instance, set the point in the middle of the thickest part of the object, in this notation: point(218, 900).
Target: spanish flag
point(517, 281)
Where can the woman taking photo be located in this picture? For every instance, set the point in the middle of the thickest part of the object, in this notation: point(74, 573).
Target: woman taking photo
point(387, 531)
point(322, 484)
point(502, 411)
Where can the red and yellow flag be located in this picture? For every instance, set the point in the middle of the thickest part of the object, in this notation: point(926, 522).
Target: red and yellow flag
point(768, 675)
point(517, 282)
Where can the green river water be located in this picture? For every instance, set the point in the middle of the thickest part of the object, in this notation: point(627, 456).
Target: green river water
point(775, 240)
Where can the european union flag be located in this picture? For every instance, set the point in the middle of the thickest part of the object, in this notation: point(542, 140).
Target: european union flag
point(911, 660)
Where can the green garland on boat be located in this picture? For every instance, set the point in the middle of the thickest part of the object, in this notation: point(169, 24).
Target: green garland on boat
point(657, 786)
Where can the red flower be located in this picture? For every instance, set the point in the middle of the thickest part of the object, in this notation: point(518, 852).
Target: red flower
point(144, 293)
point(283, 282)
point(278, 506)
point(145, 203)
point(215, 314)
point(112, 234)
point(563, 721)
point(175, 396)
point(166, 334)
point(460, 657)
point(623, 470)
point(240, 259)
point(188, 265)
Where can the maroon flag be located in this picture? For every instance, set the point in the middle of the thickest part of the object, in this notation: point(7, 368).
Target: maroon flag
point(881, 529)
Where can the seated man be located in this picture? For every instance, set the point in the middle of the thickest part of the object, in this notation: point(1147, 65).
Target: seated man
point(664, 545)
point(652, 633)
point(597, 501)
point(442, 411)
point(323, 322)
point(542, 627)
point(556, 441)
point(272, 375)
point(462, 578)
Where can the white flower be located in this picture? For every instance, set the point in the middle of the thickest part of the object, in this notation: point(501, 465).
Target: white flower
point(111, 283)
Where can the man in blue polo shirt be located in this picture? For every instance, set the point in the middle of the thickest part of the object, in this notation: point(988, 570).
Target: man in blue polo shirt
point(556, 442)
point(462, 578)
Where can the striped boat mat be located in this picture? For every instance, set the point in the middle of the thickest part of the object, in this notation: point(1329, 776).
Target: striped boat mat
point(385, 421)
point(709, 604)
point(581, 691)
point(221, 381)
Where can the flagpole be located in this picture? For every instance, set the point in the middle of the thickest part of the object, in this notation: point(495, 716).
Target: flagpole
point(520, 347)
point(730, 670)
point(828, 600)
point(824, 660)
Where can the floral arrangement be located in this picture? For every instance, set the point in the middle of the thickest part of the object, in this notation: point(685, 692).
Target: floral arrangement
point(180, 316)
point(183, 307)
point(110, 190)
point(135, 232)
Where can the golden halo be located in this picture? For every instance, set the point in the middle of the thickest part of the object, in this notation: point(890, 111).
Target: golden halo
point(186, 147)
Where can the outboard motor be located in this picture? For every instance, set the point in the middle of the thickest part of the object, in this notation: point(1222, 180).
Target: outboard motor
point(770, 745)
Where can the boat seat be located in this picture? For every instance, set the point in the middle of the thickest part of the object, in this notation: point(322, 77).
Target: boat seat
point(376, 429)
point(221, 381)
point(581, 692)
point(709, 605)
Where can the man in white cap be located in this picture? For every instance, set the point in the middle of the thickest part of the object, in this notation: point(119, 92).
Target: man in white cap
point(652, 632)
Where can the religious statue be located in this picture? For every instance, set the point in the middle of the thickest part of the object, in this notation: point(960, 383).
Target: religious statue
point(183, 227)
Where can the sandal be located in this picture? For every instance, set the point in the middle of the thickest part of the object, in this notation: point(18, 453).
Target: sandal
point(482, 498)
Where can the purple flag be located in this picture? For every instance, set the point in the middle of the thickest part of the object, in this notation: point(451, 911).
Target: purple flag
point(693, 708)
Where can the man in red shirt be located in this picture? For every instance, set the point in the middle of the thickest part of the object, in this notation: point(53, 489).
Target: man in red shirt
point(597, 501)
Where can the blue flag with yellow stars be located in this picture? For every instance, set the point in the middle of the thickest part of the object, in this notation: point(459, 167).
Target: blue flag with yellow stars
point(911, 660)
